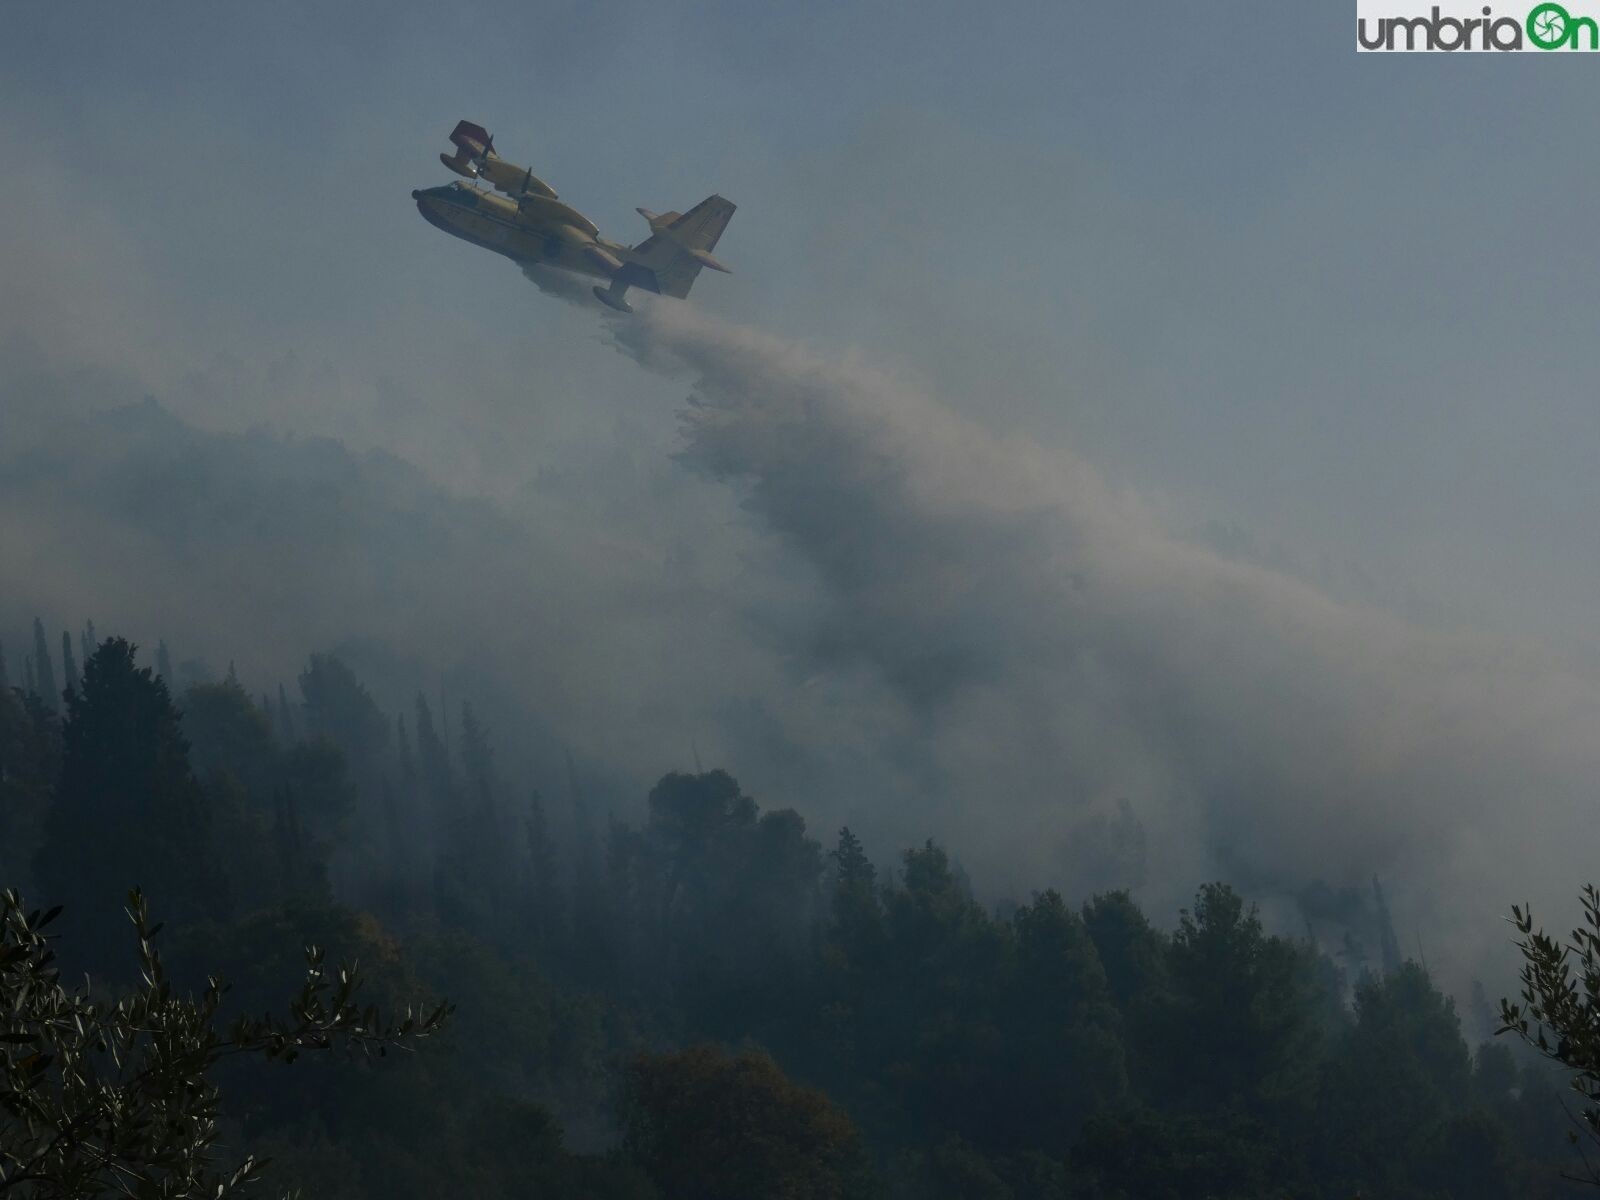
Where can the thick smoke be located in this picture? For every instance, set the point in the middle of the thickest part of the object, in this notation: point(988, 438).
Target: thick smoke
point(1051, 648)
point(911, 625)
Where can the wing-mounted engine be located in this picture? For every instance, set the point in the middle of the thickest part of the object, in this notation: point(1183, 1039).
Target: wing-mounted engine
point(514, 180)
point(537, 209)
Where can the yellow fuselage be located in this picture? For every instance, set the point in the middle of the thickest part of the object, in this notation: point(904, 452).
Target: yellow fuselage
point(537, 231)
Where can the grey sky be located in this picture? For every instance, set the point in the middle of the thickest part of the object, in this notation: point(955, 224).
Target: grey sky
point(1342, 301)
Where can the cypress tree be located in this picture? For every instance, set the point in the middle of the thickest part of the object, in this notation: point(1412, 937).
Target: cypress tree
point(304, 873)
point(69, 667)
point(408, 766)
point(338, 707)
point(286, 727)
point(478, 837)
point(43, 671)
point(854, 869)
point(127, 810)
point(541, 877)
point(585, 864)
point(1389, 944)
point(477, 759)
point(433, 759)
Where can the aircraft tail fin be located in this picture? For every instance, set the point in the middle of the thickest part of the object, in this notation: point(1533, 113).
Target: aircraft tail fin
point(474, 139)
point(680, 244)
point(702, 225)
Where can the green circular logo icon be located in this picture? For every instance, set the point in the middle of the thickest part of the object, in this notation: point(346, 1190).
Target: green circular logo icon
point(1548, 26)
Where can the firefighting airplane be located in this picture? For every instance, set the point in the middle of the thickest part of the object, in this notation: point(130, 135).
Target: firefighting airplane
point(528, 224)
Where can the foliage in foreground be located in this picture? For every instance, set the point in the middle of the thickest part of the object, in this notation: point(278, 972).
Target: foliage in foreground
point(104, 1096)
point(1558, 1010)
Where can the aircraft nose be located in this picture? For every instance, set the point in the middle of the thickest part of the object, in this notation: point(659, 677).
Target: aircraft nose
point(416, 195)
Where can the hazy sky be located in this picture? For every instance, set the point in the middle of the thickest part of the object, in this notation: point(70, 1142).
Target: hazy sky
point(1343, 302)
point(1328, 312)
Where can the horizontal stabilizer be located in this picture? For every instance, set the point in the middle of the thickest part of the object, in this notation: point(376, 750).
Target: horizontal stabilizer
point(658, 221)
point(705, 260)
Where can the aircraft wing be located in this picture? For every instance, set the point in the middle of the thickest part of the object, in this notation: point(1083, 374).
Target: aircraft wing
point(475, 158)
point(514, 180)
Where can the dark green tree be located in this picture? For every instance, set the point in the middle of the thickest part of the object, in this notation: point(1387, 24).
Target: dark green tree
point(929, 1030)
point(229, 734)
point(721, 898)
point(1389, 944)
point(69, 668)
point(477, 760)
point(315, 774)
point(340, 709)
point(433, 764)
point(30, 761)
point(408, 764)
point(473, 864)
point(852, 948)
point(1148, 1154)
point(1392, 1084)
point(102, 1096)
point(709, 1126)
point(287, 729)
point(43, 672)
point(1245, 1006)
point(86, 640)
point(127, 806)
point(544, 895)
point(1557, 1011)
point(1133, 954)
point(1062, 1034)
point(855, 907)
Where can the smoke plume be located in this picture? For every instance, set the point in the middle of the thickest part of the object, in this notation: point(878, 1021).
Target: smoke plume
point(1050, 649)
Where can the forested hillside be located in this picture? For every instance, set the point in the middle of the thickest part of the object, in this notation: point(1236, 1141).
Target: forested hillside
point(713, 1000)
